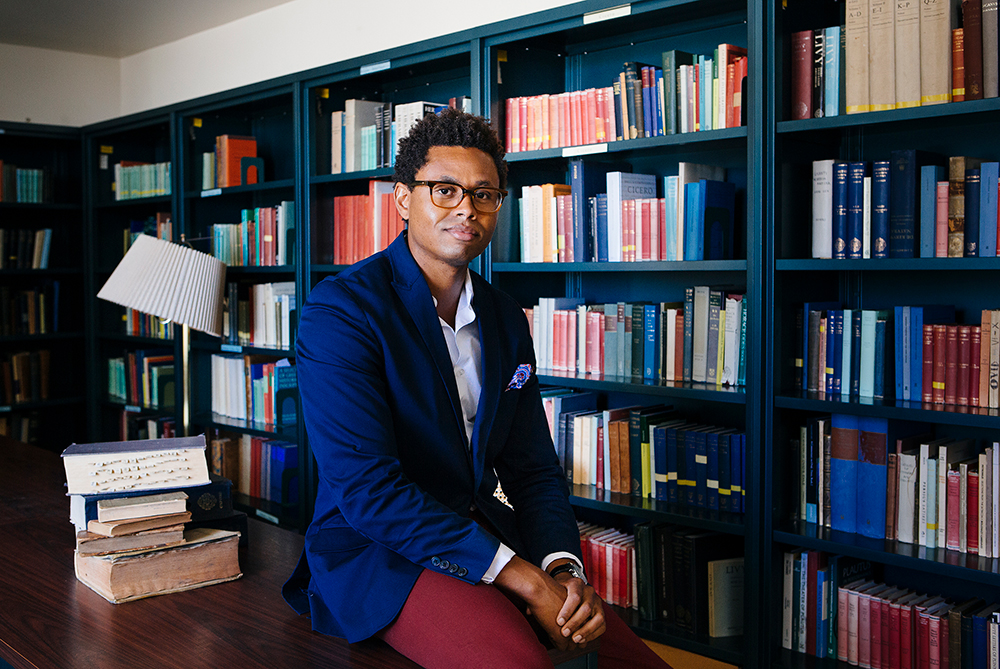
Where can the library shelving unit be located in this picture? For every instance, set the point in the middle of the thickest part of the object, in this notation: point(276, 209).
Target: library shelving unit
point(42, 336)
point(121, 203)
point(952, 129)
point(268, 113)
point(584, 46)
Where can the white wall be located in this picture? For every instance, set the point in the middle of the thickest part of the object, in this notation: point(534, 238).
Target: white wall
point(296, 36)
point(46, 86)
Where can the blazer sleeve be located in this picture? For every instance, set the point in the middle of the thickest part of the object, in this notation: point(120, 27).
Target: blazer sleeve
point(342, 384)
point(529, 470)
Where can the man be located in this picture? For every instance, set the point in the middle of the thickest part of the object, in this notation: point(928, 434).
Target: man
point(421, 402)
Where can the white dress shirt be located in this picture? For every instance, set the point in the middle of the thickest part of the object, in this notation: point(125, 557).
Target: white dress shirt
point(466, 351)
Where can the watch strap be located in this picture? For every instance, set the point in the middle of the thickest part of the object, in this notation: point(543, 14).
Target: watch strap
point(571, 568)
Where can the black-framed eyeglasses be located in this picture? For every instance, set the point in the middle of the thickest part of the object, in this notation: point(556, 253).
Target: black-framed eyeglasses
point(447, 195)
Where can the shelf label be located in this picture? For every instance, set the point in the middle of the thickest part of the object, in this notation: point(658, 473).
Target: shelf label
point(107, 149)
point(501, 55)
point(131, 408)
point(232, 348)
point(211, 193)
point(607, 14)
point(324, 93)
point(584, 150)
point(375, 67)
point(4, 409)
point(266, 516)
point(196, 122)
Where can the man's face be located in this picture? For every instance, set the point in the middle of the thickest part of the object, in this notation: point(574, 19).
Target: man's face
point(448, 236)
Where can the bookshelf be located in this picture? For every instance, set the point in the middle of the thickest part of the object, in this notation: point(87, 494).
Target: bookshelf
point(267, 114)
point(952, 129)
point(560, 50)
point(125, 196)
point(569, 51)
point(41, 295)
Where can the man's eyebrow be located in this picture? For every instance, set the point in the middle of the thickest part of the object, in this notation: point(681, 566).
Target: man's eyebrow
point(456, 182)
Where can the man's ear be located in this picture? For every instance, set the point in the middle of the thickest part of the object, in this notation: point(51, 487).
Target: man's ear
point(401, 194)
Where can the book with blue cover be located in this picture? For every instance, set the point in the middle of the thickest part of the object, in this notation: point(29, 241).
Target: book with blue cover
point(930, 175)
point(988, 185)
point(587, 179)
point(843, 472)
point(840, 210)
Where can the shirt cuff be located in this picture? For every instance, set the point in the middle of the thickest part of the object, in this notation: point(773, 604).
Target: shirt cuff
point(552, 557)
point(500, 560)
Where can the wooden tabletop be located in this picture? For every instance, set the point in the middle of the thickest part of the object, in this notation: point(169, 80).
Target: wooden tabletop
point(49, 619)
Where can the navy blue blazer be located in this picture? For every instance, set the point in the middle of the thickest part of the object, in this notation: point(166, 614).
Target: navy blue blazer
point(396, 476)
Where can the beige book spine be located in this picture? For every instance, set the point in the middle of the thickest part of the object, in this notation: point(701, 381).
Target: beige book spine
point(882, 55)
point(856, 56)
point(935, 52)
point(907, 36)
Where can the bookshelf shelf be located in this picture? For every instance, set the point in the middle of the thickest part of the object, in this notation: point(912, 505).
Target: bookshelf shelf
point(263, 509)
point(327, 269)
point(51, 271)
point(237, 190)
point(251, 271)
point(630, 267)
point(942, 414)
point(725, 649)
point(39, 206)
point(285, 432)
point(216, 346)
point(893, 117)
point(684, 140)
point(49, 336)
point(118, 403)
point(133, 340)
point(42, 404)
point(933, 561)
point(137, 202)
point(591, 497)
point(362, 175)
point(609, 383)
point(889, 265)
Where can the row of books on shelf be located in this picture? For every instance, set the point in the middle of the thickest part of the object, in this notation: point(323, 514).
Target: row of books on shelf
point(260, 314)
point(264, 237)
point(31, 311)
point(262, 468)
point(255, 388)
point(899, 482)
point(140, 531)
point(912, 353)
point(362, 225)
point(159, 225)
point(25, 249)
point(136, 179)
point(135, 425)
point(139, 324)
point(366, 133)
point(234, 162)
point(895, 56)
point(20, 184)
point(688, 93)
point(20, 426)
point(143, 378)
point(695, 220)
point(839, 607)
point(25, 377)
point(651, 452)
point(702, 339)
point(917, 204)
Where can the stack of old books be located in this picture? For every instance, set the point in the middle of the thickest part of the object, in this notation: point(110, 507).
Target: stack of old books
point(130, 503)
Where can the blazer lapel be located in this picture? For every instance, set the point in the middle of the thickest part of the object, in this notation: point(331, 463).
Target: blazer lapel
point(415, 295)
point(489, 397)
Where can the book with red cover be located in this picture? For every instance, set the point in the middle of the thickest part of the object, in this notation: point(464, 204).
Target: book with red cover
point(940, 363)
point(972, 510)
point(813, 566)
point(953, 510)
point(951, 365)
point(231, 149)
point(802, 74)
point(964, 363)
point(972, 34)
point(957, 65)
point(927, 360)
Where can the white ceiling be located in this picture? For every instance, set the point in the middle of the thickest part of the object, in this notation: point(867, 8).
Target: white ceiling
point(115, 28)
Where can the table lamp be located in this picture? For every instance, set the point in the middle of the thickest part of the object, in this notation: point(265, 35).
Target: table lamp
point(176, 283)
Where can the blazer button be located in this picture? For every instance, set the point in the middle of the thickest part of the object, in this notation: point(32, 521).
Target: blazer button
point(444, 564)
point(436, 561)
point(453, 568)
point(462, 571)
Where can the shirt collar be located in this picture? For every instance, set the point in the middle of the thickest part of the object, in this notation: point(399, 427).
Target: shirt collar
point(465, 314)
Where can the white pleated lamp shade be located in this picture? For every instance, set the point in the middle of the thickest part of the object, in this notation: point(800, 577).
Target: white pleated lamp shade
point(171, 281)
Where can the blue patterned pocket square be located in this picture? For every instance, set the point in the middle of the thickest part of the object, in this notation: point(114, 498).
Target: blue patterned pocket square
point(521, 376)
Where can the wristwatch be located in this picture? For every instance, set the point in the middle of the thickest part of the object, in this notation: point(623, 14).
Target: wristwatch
point(569, 568)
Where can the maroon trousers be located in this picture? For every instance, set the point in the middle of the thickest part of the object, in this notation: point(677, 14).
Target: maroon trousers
point(449, 623)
